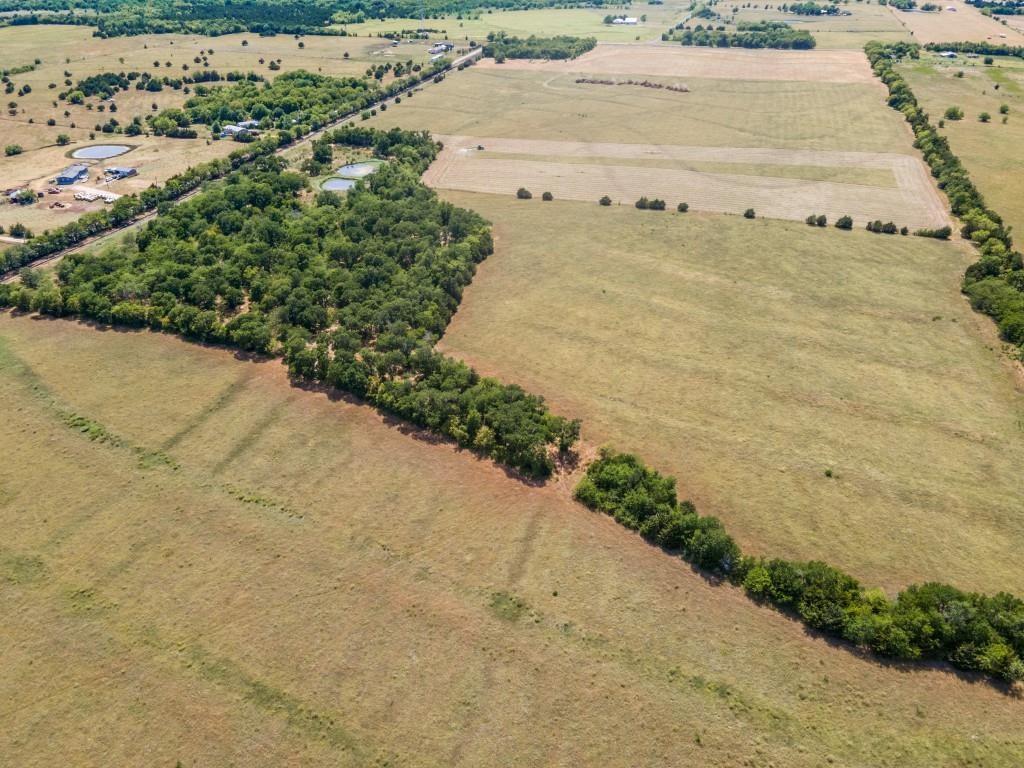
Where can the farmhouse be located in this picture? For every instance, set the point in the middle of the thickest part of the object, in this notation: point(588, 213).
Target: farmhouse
point(441, 48)
point(625, 20)
point(248, 124)
point(72, 173)
point(231, 130)
point(948, 55)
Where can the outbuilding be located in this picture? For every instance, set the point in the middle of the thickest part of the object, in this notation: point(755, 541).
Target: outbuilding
point(120, 173)
point(72, 174)
point(625, 20)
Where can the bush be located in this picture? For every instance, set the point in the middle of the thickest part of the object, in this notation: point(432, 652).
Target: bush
point(1004, 109)
point(642, 203)
point(13, 149)
point(844, 222)
point(954, 113)
point(942, 233)
point(547, 196)
point(656, 205)
point(605, 200)
point(523, 193)
point(989, 60)
point(984, 117)
point(683, 207)
point(749, 213)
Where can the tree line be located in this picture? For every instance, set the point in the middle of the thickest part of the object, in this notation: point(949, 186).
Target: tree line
point(970, 631)
point(995, 283)
point(352, 291)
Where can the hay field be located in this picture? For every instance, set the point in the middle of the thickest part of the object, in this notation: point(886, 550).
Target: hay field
point(992, 152)
point(515, 104)
point(866, 22)
point(672, 60)
point(73, 49)
point(245, 573)
point(965, 23)
point(748, 357)
point(738, 180)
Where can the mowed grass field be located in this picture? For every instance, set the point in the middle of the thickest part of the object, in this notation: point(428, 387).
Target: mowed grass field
point(832, 118)
point(992, 152)
point(73, 49)
point(749, 357)
point(494, 101)
point(239, 572)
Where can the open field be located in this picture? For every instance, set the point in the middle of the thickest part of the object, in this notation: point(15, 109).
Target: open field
point(737, 179)
point(672, 60)
point(74, 49)
point(517, 104)
point(581, 22)
point(747, 357)
point(992, 152)
point(244, 573)
point(965, 23)
point(865, 23)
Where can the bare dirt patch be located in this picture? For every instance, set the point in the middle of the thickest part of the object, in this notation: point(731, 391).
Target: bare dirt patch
point(724, 64)
point(913, 201)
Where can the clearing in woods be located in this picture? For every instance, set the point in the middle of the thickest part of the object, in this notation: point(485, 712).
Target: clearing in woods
point(864, 22)
point(239, 572)
point(964, 23)
point(749, 357)
point(993, 152)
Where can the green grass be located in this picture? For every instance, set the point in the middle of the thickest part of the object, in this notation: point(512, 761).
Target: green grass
point(378, 628)
point(749, 357)
point(724, 113)
point(580, 22)
point(992, 152)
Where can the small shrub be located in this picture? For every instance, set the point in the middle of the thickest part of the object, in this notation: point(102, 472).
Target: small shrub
point(13, 149)
point(642, 203)
point(954, 113)
point(547, 196)
point(989, 60)
point(984, 117)
point(844, 222)
point(1004, 109)
point(683, 207)
point(605, 200)
point(524, 194)
point(749, 213)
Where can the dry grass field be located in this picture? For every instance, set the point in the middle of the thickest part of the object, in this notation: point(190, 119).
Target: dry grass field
point(749, 357)
point(670, 60)
point(720, 146)
point(514, 103)
point(993, 152)
point(866, 22)
point(965, 23)
point(708, 179)
point(74, 49)
point(238, 572)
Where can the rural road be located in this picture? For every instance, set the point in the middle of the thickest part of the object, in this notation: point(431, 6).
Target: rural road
point(56, 257)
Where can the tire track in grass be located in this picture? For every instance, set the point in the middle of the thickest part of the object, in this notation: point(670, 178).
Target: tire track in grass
point(222, 401)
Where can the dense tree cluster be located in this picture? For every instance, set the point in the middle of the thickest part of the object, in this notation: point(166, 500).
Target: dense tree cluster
point(353, 291)
point(761, 34)
point(107, 84)
point(995, 283)
point(1002, 7)
point(811, 9)
point(930, 621)
point(501, 46)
